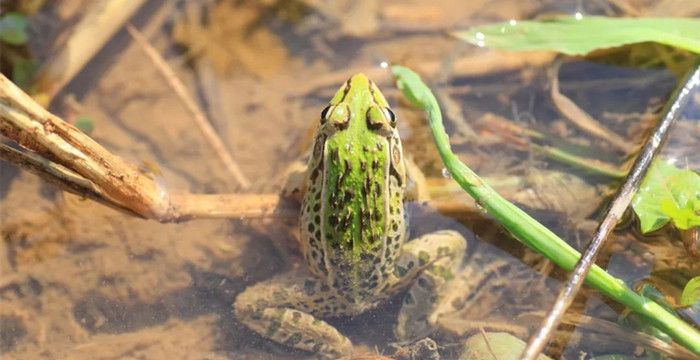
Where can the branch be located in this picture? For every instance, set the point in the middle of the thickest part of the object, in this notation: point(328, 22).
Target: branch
point(64, 156)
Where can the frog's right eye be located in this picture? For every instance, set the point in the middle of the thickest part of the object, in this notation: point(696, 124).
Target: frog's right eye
point(325, 113)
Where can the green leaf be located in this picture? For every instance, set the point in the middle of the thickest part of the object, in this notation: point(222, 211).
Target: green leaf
point(691, 292)
point(23, 71)
point(668, 194)
point(85, 124)
point(573, 36)
point(13, 29)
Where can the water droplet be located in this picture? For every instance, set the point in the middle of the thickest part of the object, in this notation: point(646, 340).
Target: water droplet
point(578, 15)
point(480, 39)
point(384, 64)
point(446, 173)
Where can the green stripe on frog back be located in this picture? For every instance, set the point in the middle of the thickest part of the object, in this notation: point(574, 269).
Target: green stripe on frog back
point(355, 220)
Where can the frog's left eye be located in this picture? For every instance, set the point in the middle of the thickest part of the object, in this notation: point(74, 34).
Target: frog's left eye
point(391, 116)
point(324, 113)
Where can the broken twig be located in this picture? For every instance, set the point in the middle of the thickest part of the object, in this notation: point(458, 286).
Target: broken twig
point(582, 119)
point(200, 119)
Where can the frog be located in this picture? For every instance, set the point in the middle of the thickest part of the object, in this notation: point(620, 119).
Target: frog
point(354, 236)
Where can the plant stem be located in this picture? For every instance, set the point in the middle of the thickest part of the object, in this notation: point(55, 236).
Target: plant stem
point(528, 230)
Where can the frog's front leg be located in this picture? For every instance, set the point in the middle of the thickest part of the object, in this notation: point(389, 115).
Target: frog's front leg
point(440, 254)
point(287, 310)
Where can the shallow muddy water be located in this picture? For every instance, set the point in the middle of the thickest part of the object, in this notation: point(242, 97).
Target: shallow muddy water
point(79, 280)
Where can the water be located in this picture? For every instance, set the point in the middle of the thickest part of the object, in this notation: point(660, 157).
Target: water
point(80, 280)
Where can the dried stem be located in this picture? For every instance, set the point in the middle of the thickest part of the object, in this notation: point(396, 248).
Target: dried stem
point(200, 119)
point(582, 119)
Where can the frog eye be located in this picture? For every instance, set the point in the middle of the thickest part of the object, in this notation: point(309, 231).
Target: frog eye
point(391, 116)
point(324, 114)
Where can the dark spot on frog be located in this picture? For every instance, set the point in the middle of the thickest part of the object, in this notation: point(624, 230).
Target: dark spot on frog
point(423, 257)
point(274, 326)
point(293, 340)
point(424, 283)
point(309, 287)
point(400, 271)
point(251, 107)
point(13, 330)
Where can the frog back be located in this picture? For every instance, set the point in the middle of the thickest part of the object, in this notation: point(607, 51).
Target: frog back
point(353, 219)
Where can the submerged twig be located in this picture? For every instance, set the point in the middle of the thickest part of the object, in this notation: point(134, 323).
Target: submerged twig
point(617, 208)
point(592, 166)
point(200, 119)
point(520, 138)
point(582, 119)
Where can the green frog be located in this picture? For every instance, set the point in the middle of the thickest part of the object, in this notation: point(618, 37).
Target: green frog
point(354, 236)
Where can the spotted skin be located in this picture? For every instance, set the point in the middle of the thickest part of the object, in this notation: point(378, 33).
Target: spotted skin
point(353, 235)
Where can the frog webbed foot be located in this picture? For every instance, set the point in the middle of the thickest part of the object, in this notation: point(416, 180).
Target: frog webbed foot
point(440, 254)
point(284, 309)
